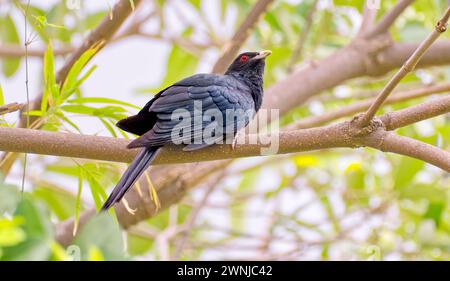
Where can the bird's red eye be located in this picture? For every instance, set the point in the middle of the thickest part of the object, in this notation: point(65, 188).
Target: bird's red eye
point(244, 58)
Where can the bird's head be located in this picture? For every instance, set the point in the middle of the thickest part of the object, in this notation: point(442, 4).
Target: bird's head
point(249, 63)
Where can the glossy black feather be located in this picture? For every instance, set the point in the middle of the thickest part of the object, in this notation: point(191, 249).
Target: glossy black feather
point(131, 175)
point(240, 89)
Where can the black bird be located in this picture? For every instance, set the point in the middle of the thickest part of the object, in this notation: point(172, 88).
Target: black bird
point(240, 90)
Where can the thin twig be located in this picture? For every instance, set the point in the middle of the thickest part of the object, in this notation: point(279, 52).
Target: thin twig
point(26, 43)
point(387, 20)
point(409, 66)
point(12, 107)
point(15, 51)
point(299, 46)
point(368, 18)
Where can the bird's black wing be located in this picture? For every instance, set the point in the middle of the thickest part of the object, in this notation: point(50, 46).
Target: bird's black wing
point(203, 93)
point(144, 121)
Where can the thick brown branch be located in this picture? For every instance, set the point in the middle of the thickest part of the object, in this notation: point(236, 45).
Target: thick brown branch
point(414, 114)
point(112, 149)
point(241, 35)
point(175, 187)
point(391, 142)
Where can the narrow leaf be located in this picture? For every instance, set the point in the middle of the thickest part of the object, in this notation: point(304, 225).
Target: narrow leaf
point(9, 34)
point(102, 100)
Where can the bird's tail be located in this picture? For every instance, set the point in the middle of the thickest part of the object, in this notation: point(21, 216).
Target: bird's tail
point(131, 175)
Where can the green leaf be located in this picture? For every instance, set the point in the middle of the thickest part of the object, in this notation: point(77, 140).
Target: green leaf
point(43, 22)
point(180, 64)
point(102, 100)
point(406, 171)
point(32, 12)
point(108, 127)
point(354, 176)
point(68, 121)
point(77, 84)
point(10, 232)
point(80, 109)
point(434, 212)
point(98, 193)
point(92, 20)
point(9, 34)
point(71, 82)
point(38, 230)
point(137, 245)
point(420, 192)
point(92, 174)
point(196, 3)
point(9, 198)
point(54, 26)
point(103, 233)
point(59, 201)
point(51, 89)
point(357, 4)
point(78, 200)
point(65, 170)
point(113, 112)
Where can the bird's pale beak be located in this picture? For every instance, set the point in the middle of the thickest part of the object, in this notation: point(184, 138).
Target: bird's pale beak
point(263, 54)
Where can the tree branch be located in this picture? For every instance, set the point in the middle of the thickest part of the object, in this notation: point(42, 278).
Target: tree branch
point(357, 107)
point(390, 142)
point(368, 19)
point(298, 50)
point(15, 51)
point(414, 114)
point(387, 20)
point(8, 108)
point(173, 186)
point(100, 35)
point(345, 64)
point(409, 66)
point(172, 183)
point(113, 149)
